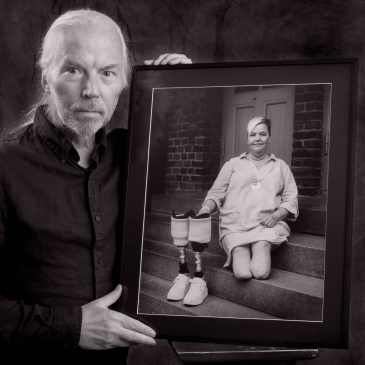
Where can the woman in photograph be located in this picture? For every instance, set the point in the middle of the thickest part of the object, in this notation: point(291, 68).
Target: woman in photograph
point(253, 193)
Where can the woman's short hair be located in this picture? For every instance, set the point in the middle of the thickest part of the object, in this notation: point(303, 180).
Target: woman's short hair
point(256, 121)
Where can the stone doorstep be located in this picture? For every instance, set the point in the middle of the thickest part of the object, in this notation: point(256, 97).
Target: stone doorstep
point(153, 300)
point(197, 197)
point(287, 295)
point(163, 220)
point(312, 210)
point(303, 254)
point(215, 262)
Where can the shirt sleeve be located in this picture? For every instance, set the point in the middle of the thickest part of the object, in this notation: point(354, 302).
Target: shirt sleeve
point(33, 323)
point(218, 191)
point(289, 195)
point(22, 322)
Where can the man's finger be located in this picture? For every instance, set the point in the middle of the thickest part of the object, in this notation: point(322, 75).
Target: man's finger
point(175, 58)
point(160, 58)
point(179, 60)
point(127, 335)
point(169, 59)
point(110, 298)
point(132, 324)
point(137, 326)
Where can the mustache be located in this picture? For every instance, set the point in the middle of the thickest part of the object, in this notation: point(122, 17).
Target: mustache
point(90, 106)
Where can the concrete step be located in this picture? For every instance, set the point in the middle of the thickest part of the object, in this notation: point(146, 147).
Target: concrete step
point(285, 294)
point(303, 254)
point(153, 300)
point(311, 220)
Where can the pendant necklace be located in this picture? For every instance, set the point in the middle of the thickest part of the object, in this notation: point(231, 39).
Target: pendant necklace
point(256, 184)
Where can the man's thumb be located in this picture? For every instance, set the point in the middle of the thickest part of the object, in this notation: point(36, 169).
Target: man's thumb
point(111, 297)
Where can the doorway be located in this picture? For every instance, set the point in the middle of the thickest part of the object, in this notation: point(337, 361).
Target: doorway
point(242, 104)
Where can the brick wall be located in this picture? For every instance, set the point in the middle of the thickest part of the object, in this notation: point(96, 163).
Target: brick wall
point(193, 137)
point(308, 138)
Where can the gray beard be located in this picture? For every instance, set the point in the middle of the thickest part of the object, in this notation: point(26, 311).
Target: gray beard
point(83, 127)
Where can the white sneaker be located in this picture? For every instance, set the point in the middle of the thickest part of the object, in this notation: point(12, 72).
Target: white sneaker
point(197, 293)
point(179, 289)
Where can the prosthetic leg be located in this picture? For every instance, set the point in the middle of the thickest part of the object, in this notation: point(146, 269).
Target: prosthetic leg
point(199, 236)
point(180, 234)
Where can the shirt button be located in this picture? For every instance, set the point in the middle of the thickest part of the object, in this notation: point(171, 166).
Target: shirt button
point(97, 218)
point(100, 260)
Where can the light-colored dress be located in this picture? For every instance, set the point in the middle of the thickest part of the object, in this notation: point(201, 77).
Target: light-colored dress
point(243, 194)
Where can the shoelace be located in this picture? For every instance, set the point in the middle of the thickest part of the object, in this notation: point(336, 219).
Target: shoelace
point(195, 283)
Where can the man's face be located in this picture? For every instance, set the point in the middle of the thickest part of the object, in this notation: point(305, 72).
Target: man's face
point(84, 84)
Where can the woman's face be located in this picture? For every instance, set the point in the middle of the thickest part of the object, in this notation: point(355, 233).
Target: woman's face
point(258, 140)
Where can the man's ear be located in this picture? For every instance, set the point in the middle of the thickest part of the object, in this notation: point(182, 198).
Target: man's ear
point(44, 83)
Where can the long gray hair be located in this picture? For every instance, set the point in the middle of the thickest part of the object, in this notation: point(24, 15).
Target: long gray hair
point(51, 47)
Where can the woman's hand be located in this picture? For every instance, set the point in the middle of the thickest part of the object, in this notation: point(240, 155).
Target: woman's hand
point(204, 210)
point(209, 206)
point(269, 220)
point(169, 59)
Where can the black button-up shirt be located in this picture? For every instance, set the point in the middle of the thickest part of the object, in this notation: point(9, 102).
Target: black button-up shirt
point(60, 231)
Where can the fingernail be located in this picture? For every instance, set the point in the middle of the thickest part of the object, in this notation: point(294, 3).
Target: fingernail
point(153, 343)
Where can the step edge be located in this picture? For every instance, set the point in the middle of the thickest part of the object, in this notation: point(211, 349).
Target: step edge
point(222, 301)
point(267, 281)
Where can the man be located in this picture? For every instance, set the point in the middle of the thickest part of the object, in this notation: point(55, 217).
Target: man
point(61, 188)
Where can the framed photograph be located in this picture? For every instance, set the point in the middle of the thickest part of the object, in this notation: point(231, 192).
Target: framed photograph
point(187, 122)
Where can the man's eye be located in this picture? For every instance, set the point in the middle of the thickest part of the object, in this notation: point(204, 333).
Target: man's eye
point(73, 70)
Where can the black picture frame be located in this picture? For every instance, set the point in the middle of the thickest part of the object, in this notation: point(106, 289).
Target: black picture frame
point(148, 150)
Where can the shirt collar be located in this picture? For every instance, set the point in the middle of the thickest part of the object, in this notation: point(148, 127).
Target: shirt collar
point(59, 144)
point(245, 155)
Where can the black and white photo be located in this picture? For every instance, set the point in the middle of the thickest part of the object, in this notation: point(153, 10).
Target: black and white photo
point(235, 180)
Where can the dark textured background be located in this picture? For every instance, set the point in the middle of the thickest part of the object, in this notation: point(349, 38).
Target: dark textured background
point(209, 31)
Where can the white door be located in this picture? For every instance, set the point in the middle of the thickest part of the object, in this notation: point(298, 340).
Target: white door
point(239, 106)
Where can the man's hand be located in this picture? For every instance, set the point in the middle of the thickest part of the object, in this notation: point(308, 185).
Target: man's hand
point(269, 220)
point(169, 59)
point(102, 328)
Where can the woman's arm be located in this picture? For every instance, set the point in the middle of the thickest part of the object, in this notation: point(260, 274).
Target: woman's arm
point(288, 208)
point(289, 194)
point(217, 192)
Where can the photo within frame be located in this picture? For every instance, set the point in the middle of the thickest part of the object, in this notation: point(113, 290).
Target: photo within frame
point(189, 142)
point(193, 132)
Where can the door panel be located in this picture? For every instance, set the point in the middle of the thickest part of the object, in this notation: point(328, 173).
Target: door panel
point(243, 116)
point(277, 113)
point(276, 103)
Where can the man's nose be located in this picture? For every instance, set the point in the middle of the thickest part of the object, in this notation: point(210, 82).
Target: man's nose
point(91, 88)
